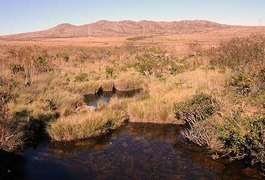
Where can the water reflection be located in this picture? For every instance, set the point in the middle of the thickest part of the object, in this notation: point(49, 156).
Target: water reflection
point(137, 151)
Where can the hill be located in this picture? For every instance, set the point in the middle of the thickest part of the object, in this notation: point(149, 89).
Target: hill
point(114, 28)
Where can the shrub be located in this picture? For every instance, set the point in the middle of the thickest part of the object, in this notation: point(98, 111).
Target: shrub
point(241, 53)
point(15, 68)
point(202, 133)
point(241, 84)
point(66, 57)
point(11, 136)
point(145, 66)
point(244, 137)
point(42, 64)
point(177, 68)
point(198, 108)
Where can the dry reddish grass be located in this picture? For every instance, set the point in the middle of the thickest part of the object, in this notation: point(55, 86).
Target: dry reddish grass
point(177, 43)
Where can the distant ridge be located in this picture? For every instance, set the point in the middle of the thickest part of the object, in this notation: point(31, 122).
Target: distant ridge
point(112, 28)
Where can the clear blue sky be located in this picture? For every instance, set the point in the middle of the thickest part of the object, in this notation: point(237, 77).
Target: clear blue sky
point(30, 15)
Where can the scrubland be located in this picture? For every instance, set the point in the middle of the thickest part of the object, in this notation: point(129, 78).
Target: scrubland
point(217, 93)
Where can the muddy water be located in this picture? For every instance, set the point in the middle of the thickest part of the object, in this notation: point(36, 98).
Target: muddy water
point(136, 151)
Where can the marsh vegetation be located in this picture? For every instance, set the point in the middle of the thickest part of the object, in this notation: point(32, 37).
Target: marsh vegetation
point(217, 93)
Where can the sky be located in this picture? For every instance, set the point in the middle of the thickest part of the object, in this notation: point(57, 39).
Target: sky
point(18, 16)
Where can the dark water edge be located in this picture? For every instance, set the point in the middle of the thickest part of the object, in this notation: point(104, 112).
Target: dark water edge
point(136, 151)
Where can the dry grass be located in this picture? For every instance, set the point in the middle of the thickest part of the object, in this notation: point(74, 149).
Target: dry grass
point(84, 125)
point(152, 110)
point(128, 82)
point(107, 85)
point(85, 87)
point(182, 86)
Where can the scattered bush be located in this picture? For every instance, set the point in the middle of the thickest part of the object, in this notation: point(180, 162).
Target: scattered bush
point(241, 53)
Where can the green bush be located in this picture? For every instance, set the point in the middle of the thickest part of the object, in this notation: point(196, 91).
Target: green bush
point(42, 64)
point(244, 137)
point(145, 66)
point(198, 108)
point(241, 84)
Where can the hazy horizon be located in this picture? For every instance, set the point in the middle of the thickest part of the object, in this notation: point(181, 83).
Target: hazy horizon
point(29, 15)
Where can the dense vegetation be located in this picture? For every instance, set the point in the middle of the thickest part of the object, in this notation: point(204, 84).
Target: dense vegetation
point(219, 93)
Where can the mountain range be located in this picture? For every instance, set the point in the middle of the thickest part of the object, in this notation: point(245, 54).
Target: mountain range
point(114, 28)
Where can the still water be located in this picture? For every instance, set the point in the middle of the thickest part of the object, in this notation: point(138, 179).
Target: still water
point(135, 151)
